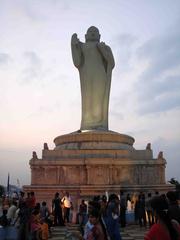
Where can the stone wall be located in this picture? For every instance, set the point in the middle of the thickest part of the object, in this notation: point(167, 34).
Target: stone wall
point(92, 163)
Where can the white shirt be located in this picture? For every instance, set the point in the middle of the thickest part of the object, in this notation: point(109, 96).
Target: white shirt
point(67, 201)
point(11, 212)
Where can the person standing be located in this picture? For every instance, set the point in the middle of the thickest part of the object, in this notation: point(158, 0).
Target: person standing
point(155, 216)
point(57, 209)
point(149, 210)
point(103, 206)
point(95, 229)
point(112, 217)
point(173, 209)
point(82, 213)
point(11, 213)
point(123, 206)
point(164, 228)
point(128, 202)
point(140, 208)
point(66, 200)
point(44, 211)
point(24, 216)
point(32, 201)
point(21, 199)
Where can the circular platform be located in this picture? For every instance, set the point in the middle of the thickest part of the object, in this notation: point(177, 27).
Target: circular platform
point(94, 140)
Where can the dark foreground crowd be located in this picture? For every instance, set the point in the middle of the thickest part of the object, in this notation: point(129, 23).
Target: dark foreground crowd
point(99, 218)
point(160, 212)
point(34, 220)
point(29, 217)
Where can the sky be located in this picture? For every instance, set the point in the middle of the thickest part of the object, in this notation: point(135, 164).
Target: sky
point(40, 95)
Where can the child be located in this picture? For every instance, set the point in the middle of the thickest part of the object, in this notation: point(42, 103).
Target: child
point(94, 228)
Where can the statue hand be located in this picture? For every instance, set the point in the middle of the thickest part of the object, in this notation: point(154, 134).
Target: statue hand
point(74, 39)
point(103, 49)
point(101, 45)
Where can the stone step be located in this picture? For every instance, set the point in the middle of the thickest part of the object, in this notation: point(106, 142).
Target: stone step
point(71, 232)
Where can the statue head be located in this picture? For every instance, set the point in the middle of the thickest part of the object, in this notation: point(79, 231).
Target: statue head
point(92, 34)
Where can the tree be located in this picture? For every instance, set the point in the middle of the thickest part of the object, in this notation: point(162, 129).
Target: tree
point(173, 181)
point(176, 183)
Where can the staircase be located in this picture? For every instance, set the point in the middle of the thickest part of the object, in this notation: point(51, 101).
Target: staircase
point(69, 232)
point(72, 232)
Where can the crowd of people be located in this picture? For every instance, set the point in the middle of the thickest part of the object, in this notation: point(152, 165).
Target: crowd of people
point(160, 212)
point(34, 220)
point(166, 224)
point(28, 216)
point(99, 218)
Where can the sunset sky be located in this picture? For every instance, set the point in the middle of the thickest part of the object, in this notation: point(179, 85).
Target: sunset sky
point(40, 89)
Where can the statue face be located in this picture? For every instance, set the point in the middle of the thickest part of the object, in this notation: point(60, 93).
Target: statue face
point(92, 34)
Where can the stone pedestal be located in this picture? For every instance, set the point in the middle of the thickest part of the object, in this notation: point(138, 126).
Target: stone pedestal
point(94, 162)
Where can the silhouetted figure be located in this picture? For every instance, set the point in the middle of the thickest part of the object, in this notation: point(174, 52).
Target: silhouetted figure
point(140, 210)
point(164, 228)
point(123, 206)
point(56, 206)
point(112, 217)
point(149, 210)
point(173, 209)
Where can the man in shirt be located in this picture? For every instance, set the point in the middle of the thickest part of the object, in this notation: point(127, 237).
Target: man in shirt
point(66, 200)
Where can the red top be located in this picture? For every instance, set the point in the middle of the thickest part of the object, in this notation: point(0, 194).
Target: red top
point(158, 232)
point(32, 202)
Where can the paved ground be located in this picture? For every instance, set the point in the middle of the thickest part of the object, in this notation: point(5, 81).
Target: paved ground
point(131, 232)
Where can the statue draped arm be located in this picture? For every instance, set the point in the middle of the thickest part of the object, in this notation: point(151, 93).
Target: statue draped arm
point(76, 50)
point(109, 59)
point(107, 54)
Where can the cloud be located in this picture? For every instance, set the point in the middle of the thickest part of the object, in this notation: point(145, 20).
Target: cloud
point(159, 84)
point(45, 110)
point(162, 53)
point(124, 45)
point(4, 58)
point(33, 67)
point(160, 95)
point(126, 39)
point(116, 114)
point(40, 11)
point(32, 58)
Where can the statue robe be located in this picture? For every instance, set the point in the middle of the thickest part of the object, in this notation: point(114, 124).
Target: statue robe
point(95, 81)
